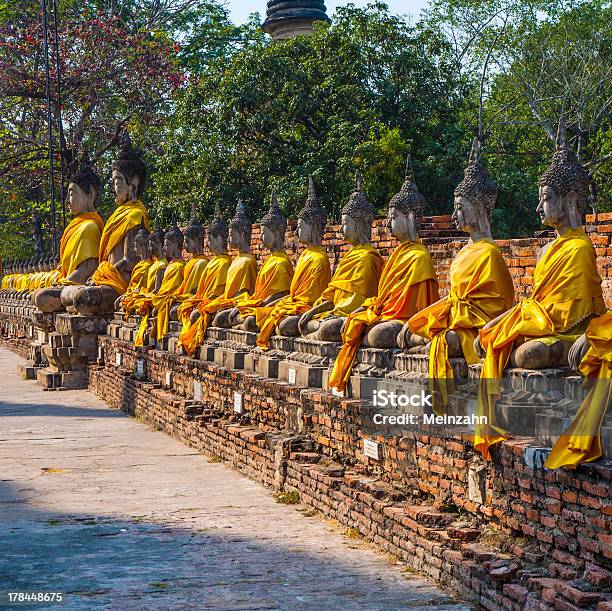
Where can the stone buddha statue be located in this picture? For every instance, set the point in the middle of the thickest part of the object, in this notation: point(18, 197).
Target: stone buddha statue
point(156, 305)
point(480, 283)
point(140, 273)
point(116, 257)
point(539, 331)
point(212, 282)
point(356, 277)
point(80, 241)
point(241, 276)
point(407, 285)
point(193, 243)
point(312, 275)
point(274, 277)
point(134, 300)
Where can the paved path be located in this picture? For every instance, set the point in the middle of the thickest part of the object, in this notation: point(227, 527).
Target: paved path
point(114, 515)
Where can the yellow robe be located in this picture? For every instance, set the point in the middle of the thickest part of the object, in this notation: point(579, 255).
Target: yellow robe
point(173, 278)
point(135, 300)
point(80, 241)
point(137, 286)
point(274, 277)
point(194, 269)
point(241, 276)
point(566, 291)
point(212, 284)
point(481, 289)
point(581, 442)
point(125, 217)
point(355, 280)
point(312, 275)
point(408, 284)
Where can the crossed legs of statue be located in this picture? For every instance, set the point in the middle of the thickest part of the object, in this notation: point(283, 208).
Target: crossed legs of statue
point(534, 354)
point(48, 300)
point(416, 344)
point(325, 330)
point(89, 300)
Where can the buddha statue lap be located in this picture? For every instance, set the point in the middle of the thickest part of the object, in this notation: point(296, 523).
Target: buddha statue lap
point(116, 257)
point(356, 277)
point(312, 275)
point(80, 242)
point(481, 287)
point(539, 331)
point(407, 285)
point(274, 277)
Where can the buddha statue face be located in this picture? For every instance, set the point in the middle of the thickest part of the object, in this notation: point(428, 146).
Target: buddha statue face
point(217, 243)
point(558, 211)
point(356, 231)
point(156, 244)
point(193, 242)
point(80, 201)
point(141, 245)
point(125, 190)
point(269, 237)
point(402, 226)
point(466, 216)
point(173, 245)
point(238, 239)
point(306, 232)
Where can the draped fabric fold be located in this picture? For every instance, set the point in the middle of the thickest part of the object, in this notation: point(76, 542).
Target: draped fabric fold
point(138, 283)
point(173, 278)
point(481, 289)
point(274, 277)
point(581, 441)
point(147, 285)
point(311, 277)
point(240, 277)
point(126, 217)
point(566, 291)
point(212, 284)
point(407, 284)
point(355, 280)
point(80, 241)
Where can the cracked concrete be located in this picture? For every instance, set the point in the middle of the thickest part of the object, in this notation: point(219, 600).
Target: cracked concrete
point(114, 515)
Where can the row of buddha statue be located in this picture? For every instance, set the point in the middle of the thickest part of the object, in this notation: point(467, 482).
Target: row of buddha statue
point(366, 302)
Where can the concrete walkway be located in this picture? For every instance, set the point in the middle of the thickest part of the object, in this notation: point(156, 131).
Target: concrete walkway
point(97, 506)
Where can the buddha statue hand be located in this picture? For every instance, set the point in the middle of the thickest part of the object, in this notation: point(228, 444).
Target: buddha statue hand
point(577, 351)
point(233, 317)
point(310, 314)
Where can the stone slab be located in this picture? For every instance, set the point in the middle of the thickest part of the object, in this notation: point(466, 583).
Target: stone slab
point(228, 358)
point(301, 374)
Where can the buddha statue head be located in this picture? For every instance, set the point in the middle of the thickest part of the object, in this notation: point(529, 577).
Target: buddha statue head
point(156, 243)
point(218, 233)
point(357, 216)
point(141, 242)
point(406, 209)
point(311, 219)
point(83, 187)
point(475, 197)
point(173, 242)
point(564, 188)
point(129, 173)
point(273, 226)
point(240, 229)
point(194, 234)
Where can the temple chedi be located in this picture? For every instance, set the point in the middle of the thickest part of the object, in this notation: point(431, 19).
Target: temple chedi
point(289, 18)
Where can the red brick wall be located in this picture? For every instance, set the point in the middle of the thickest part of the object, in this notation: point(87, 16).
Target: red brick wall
point(534, 532)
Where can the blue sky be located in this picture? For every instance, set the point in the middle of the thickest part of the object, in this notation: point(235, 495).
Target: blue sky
point(240, 9)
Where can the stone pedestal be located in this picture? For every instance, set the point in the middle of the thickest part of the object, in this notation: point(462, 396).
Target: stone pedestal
point(308, 361)
point(71, 348)
point(265, 363)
